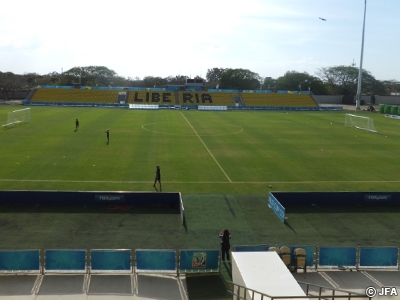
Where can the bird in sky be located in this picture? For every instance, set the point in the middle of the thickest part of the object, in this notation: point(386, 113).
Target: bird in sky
point(322, 19)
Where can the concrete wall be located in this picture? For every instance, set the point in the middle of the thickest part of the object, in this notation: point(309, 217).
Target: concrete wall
point(324, 99)
point(17, 95)
point(393, 100)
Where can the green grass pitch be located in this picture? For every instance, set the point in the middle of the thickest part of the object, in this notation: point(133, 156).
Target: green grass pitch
point(234, 152)
point(222, 162)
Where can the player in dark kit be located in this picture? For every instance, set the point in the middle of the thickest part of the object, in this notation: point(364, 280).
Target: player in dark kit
point(76, 124)
point(108, 135)
point(158, 177)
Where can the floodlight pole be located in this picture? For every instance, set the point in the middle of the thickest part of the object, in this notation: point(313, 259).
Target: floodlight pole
point(301, 84)
point(358, 97)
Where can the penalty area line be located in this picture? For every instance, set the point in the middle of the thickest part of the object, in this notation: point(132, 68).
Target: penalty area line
point(226, 175)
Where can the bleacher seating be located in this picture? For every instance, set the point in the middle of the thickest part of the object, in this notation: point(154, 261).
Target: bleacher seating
point(152, 97)
point(205, 98)
point(245, 99)
point(277, 99)
point(75, 95)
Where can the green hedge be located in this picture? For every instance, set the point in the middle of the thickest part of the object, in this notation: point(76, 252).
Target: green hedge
point(395, 110)
point(388, 109)
point(381, 108)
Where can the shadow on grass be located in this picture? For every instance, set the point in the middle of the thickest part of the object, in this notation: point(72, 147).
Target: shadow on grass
point(211, 286)
point(290, 227)
point(185, 224)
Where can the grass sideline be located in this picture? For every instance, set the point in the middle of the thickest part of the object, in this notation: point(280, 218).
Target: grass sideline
point(234, 152)
point(222, 162)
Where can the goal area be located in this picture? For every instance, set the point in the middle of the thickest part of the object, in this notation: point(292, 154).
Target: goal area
point(18, 116)
point(359, 122)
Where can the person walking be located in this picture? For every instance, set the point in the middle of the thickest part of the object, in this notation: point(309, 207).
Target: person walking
point(225, 236)
point(77, 124)
point(157, 177)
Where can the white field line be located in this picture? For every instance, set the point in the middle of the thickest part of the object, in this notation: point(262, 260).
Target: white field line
point(191, 182)
point(206, 147)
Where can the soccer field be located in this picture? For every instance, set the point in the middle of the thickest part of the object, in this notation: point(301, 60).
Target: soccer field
point(233, 152)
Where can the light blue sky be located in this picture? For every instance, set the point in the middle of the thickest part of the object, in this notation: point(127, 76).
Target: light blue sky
point(182, 37)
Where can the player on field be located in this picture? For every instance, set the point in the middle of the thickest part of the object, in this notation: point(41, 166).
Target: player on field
point(77, 124)
point(108, 135)
point(158, 177)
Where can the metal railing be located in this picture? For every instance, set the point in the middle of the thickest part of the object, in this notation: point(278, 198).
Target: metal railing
point(239, 292)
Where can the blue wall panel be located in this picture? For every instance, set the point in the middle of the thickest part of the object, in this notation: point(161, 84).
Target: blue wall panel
point(20, 260)
point(150, 260)
point(61, 260)
point(337, 256)
point(378, 256)
point(110, 260)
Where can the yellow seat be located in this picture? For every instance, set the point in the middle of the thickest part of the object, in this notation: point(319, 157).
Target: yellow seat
point(276, 249)
point(300, 259)
point(285, 255)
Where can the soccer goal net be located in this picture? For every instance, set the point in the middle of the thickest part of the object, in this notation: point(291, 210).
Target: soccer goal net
point(18, 116)
point(359, 122)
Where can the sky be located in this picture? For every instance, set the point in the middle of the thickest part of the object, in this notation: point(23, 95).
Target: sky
point(183, 37)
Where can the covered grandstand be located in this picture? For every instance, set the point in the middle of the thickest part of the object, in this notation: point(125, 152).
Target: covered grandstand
point(120, 96)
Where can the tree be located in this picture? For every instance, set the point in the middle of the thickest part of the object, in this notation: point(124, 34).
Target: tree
point(342, 80)
point(269, 83)
point(32, 79)
point(296, 81)
point(92, 75)
point(239, 79)
point(392, 87)
point(10, 82)
point(213, 75)
point(150, 81)
point(176, 80)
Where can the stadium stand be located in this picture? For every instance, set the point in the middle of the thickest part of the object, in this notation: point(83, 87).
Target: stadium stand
point(278, 99)
point(206, 98)
point(229, 98)
point(75, 95)
point(152, 97)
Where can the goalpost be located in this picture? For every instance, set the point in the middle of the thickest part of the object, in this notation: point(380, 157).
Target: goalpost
point(18, 116)
point(359, 122)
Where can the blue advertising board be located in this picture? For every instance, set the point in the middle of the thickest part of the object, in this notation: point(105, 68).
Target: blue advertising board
point(110, 260)
point(337, 256)
point(278, 209)
point(65, 260)
point(199, 260)
point(156, 260)
point(379, 257)
point(20, 261)
point(110, 198)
